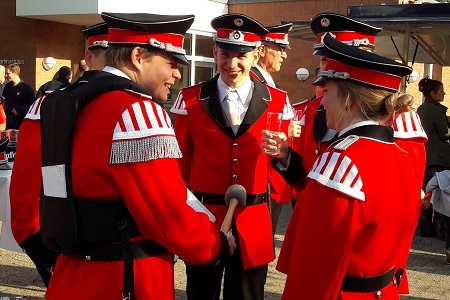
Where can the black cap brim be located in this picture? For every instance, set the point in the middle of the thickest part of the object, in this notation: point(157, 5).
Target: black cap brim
point(320, 51)
point(183, 60)
point(235, 48)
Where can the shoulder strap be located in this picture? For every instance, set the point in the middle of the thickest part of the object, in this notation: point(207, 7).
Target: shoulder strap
point(58, 114)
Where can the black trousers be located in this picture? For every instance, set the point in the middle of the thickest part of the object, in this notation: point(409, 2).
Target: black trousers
point(204, 282)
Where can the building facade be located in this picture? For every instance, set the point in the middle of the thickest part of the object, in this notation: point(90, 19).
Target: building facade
point(36, 29)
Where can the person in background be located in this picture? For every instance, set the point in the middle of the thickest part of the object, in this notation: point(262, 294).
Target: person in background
point(273, 51)
point(2, 111)
point(82, 67)
point(145, 49)
point(26, 178)
point(435, 123)
point(18, 96)
point(349, 202)
point(97, 40)
point(62, 81)
point(302, 105)
point(218, 125)
point(3, 81)
point(410, 137)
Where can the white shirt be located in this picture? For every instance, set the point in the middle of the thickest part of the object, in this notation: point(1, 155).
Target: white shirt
point(245, 92)
point(267, 77)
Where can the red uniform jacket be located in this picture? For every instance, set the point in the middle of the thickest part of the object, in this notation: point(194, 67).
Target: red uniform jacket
point(26, 178)
point(124, 148)
point(279, 190)
point(214, 158)
point(410, 136)
point(353, 217)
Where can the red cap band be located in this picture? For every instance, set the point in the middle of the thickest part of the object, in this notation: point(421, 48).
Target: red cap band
point(276, 36)
point(139, 37)
point(368, 76)
point(247, 36)
point(96, 38)
point(348, 36)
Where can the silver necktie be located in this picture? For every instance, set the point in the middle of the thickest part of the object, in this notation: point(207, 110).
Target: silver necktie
point(234, 110)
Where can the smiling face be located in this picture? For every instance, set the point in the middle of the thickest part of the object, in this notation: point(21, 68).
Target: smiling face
point(158, 74)
point(234, 67)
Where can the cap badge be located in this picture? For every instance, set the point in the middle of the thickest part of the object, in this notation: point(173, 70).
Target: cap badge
point(334, 74)
point(238, 22)
point(325, 22)
point(236, 36)
point(103, 44)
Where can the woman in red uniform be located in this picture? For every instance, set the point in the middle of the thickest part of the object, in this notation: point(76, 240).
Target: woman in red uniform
point(356, 212)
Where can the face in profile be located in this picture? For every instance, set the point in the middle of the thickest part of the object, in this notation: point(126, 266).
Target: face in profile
point(439, 95)
point(234, 67)
point(273, 56)
point(333, 105)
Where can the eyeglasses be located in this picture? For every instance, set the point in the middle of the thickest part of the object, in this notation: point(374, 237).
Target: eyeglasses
point(281, 51)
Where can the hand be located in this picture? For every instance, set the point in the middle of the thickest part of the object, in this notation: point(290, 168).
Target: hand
point(272, 141)
point(426, 204)
point(14, 111)
point(231, 242)
point(294, 129)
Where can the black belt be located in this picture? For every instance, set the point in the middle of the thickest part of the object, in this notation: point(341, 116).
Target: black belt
point(114, 252)
point(367, 284)
point(219, 199)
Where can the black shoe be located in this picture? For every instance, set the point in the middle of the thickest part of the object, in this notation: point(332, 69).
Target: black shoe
point(447, 253)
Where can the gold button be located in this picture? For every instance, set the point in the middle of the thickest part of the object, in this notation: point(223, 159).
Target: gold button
point(316, 152)
point(235, 145)
point(235, 177)
point(235, 161)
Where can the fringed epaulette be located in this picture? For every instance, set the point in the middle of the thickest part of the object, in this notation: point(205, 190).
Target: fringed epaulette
point(143, 133)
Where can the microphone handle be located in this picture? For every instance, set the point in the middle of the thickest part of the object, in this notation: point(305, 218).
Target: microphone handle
point(226, 224)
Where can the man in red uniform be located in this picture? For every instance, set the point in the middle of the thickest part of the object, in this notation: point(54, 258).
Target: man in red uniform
point(272, 53)
point(220, 138)
point(123, 151)
point(25, 189)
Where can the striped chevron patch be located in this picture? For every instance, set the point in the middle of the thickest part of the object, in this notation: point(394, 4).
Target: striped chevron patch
point(144, 132)
point(34, 113)
point(179, 107)
point(337, 171)
point(143, 119)
point(407, 125)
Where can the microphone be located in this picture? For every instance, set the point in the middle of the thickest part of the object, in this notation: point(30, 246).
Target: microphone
point(236, 196)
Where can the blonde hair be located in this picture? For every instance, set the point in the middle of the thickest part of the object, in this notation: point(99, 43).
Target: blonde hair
point(375, 104)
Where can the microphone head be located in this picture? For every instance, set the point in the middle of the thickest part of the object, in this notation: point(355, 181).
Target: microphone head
point(238, 192)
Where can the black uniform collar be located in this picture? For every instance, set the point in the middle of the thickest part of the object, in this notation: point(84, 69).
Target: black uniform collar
point(212, 105)
point(376, 132)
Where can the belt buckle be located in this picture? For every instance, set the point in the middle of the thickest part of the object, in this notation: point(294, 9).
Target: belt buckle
point(126, 296)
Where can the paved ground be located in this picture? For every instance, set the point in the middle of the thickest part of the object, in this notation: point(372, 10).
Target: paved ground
point(429, 276)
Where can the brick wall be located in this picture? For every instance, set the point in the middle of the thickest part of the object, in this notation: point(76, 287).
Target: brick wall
point(29, 40)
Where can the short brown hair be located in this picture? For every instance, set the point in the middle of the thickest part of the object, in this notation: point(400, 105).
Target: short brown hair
point(14, 68)
point(118, 56)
